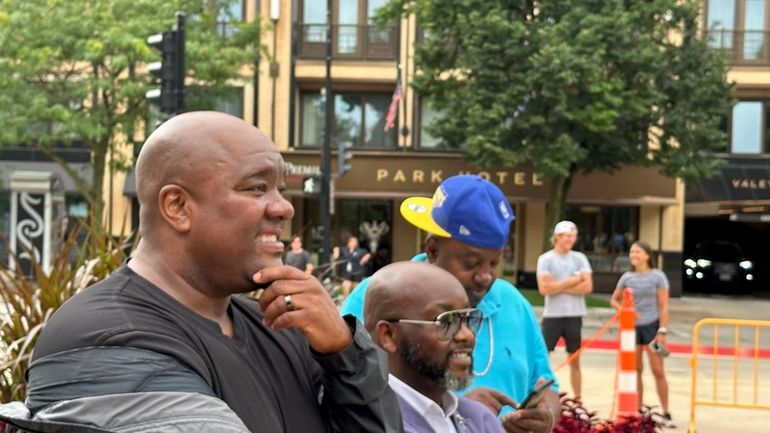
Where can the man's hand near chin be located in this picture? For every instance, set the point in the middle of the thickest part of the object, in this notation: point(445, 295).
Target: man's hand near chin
point(294, 299)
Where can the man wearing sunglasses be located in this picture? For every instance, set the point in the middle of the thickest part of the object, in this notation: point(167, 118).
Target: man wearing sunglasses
point(419, 315)
point(468, 221)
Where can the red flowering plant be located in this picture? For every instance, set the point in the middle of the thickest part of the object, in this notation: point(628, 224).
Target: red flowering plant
point(577, 419)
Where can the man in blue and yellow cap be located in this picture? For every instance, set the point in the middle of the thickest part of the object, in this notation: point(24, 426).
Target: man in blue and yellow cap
point(468, 220)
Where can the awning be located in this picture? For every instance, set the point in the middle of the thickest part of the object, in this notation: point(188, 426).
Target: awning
point(740, 180)
point(8, 167)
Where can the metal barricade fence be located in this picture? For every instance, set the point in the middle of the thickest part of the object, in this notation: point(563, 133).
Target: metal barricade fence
point(753, 352)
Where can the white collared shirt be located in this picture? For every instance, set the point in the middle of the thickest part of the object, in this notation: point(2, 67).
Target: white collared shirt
point(438, 418)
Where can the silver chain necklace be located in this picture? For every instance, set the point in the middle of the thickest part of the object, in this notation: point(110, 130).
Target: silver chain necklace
point(491, 350)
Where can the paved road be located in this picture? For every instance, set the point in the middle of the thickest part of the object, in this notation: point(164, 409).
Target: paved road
point(599, 367)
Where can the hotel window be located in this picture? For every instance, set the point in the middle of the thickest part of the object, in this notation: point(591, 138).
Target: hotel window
point(740, 26)
point(351, 216)
point(354, 34)
point(359, 118)
point(229, 100)
point(428, 115)
point(605, 234)
point(748, 127)
point(229, 14)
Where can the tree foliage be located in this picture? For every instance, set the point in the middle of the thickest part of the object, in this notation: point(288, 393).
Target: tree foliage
point(572, 85)
point(75, 72)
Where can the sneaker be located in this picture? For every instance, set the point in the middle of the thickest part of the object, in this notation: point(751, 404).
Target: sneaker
point(667, 421)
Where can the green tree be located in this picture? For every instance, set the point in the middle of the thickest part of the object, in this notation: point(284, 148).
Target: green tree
point(75, 71)
point(572, 85)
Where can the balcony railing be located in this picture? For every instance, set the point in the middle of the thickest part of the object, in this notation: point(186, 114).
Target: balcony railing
point(348, 42)
point(746, 47)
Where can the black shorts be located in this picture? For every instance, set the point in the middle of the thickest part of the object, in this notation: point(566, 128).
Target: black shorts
point(567, 327)
point(646, 333)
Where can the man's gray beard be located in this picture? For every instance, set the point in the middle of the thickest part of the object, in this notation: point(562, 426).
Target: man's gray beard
point(438, 373)
point(454, 383)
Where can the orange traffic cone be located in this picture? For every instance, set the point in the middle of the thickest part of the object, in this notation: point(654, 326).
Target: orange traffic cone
point(628, 400)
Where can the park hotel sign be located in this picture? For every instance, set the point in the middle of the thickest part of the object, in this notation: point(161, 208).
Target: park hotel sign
point(402, 174)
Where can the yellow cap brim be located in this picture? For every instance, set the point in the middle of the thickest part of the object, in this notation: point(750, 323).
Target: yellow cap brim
point(417, 210)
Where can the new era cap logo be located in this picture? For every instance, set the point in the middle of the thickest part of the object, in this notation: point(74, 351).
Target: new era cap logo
point(439, 197)
point(504, 210)
point(464, 231)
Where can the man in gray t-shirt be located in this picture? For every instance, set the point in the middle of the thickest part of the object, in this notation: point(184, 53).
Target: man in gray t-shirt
point(298, 257)
point(564, 277)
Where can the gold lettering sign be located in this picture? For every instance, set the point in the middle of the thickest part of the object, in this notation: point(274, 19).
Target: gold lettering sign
point(518, 178)
point(419, 176)
point(745, 183)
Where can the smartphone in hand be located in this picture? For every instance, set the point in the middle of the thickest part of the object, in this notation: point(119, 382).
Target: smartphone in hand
point(533, 398)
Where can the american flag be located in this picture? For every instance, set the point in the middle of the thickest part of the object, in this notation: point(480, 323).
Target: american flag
point(390, 119)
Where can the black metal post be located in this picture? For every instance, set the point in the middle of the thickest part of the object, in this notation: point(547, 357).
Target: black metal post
point(180, 68)
point(326, 147)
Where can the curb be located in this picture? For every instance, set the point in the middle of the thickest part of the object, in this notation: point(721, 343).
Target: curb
point(682, 349)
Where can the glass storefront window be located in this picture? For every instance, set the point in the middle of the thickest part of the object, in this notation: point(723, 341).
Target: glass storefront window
point(352, 217)
point(605, 234)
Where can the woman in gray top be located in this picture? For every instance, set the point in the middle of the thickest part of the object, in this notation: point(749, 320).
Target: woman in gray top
point(650, 287)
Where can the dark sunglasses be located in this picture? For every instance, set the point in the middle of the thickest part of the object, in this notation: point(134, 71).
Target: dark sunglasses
point(449, 323)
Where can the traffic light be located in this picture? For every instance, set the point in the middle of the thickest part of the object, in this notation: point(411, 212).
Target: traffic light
point(170, 70)
point(344, 155)
point(311, 185)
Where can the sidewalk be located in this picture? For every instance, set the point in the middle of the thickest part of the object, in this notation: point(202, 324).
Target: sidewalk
point(599, 364)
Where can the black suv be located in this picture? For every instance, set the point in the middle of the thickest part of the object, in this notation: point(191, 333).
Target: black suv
point(719, 264)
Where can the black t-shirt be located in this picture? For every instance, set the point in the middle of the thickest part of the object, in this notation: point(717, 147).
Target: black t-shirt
point(270, 379)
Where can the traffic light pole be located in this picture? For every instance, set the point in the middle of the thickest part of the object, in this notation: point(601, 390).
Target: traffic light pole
point(326, 148)
point(180, 71)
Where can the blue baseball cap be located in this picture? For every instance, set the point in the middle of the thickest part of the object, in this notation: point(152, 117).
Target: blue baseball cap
point(467, 208)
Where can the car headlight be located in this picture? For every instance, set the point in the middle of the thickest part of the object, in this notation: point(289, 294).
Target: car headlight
point(703, 263)
point(690, 263)
point(746, 264)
